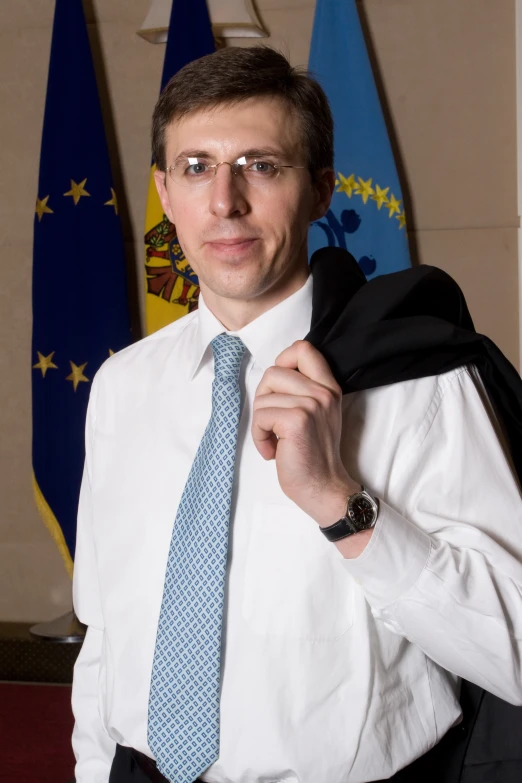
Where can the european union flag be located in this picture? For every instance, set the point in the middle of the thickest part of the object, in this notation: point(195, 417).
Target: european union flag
point(172, 285)
point(367, 215)
point(80, 308)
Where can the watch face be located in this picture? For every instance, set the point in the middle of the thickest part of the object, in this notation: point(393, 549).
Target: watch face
point(362, 511)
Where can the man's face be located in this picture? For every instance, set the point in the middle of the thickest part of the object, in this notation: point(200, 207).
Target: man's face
point(244, 240)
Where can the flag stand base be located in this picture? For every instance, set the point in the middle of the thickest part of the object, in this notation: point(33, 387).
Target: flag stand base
point(64, 629)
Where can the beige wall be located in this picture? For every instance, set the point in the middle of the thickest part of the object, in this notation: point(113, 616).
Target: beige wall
point(448, 71)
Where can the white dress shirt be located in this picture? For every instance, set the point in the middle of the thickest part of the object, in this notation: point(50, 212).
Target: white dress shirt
point(334, 671)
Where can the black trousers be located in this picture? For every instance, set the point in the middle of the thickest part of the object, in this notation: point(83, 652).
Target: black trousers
point(442, 764)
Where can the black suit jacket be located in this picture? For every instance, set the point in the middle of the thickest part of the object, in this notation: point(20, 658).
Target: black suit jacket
point(398, 327)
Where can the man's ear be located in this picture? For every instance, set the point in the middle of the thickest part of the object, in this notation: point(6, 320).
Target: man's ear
point(323, 184)
point(161, 187)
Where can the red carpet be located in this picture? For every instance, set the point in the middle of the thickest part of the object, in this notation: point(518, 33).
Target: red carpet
point(35, 734)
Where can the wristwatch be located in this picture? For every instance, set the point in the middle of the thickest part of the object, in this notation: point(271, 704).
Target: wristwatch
point(362, 511)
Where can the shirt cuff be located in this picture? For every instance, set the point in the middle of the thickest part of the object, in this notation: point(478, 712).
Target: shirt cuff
point(393, 559)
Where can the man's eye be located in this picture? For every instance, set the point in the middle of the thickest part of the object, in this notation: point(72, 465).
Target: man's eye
point(195, 168)
point(261, 167)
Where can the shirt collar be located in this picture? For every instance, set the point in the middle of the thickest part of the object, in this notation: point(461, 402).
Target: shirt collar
point(266, 336)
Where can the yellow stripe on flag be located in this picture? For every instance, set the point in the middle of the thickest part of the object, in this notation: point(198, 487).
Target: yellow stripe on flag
point(170, 291)
point(52, 526)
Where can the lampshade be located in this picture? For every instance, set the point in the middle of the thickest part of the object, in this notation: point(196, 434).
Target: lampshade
point(230, 19)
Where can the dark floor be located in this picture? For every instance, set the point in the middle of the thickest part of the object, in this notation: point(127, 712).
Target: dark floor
point(35, 713)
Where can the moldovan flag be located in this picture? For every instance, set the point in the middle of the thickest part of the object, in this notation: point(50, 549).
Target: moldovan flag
point(80, 309)
point(367, 215)
point(172, 286)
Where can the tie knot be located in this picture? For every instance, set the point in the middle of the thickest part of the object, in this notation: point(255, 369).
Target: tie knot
point(228, 354)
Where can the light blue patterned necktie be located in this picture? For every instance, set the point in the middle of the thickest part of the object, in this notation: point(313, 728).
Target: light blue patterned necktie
point(183, 721)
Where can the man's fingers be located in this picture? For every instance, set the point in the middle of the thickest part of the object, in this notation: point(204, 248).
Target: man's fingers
point(275, 400)
point(267, 447)
point(265, 440)
point(271, 423)
point(299, 388)
point(280, 380)
point(302, 356)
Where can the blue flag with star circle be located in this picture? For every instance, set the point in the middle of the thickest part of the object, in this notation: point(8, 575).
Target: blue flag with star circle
point(80, 306)
point(367, 215)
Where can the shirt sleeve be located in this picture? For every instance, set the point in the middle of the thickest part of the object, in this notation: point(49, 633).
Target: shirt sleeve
point(444, 565)
point(93, 748)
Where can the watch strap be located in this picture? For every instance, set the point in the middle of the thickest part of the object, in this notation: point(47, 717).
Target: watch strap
point(341, 529)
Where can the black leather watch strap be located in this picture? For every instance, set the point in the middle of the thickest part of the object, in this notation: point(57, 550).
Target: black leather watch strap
point(361, 514)
point(341, 529)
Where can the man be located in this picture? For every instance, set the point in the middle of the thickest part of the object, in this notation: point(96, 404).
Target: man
point(228, 638)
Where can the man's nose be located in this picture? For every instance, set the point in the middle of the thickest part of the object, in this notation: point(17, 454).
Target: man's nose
point(227, 193)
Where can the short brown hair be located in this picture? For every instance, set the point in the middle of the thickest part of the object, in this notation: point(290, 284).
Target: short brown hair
point(235, 74)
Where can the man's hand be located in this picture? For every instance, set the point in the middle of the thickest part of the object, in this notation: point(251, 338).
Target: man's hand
point(297, 421)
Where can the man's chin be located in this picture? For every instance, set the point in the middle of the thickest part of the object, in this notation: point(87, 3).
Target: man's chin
point(235, 292)
point(236, 283)
point(235, 277)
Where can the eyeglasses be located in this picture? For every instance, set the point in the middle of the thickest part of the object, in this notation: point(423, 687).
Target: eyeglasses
point(194, 172)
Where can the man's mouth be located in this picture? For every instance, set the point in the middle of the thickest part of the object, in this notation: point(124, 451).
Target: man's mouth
point(231, 241)
point(232, 246)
